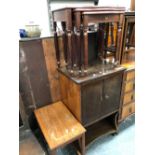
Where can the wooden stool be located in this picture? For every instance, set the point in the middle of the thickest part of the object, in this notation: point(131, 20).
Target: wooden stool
point(59, 126)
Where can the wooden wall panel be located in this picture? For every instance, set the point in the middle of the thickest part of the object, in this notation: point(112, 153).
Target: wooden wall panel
point(34, 83)
point(61, 48)
point(25, 89)
point(51, 65)
point(39, 78)
point(71, 96)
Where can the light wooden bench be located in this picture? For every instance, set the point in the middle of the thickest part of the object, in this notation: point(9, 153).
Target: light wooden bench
point(59, 126)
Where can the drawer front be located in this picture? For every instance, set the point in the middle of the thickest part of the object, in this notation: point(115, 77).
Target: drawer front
point(128, 109)
point(130, 75)
point(129, 86)
point(100, 18)
point(128, 97)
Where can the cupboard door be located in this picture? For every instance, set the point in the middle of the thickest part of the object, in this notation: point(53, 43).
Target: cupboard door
point(91, 102)
point(111, 94)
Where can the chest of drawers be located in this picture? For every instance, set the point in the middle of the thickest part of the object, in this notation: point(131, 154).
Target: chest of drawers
point(128, 94)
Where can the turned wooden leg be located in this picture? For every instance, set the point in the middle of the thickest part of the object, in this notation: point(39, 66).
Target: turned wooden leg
point(69, 54)
point(106, 39)
point(85, 48)
point(64, 37)
point(101, 39)
point(73, 49)
point(78, 52)
point(56, 44)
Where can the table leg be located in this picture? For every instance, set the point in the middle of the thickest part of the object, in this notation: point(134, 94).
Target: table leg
point(85, 49)
point(69, 55)
point(119, 38)
point(56, 44)
point(112, 33)
point(64, 37)
point(106, 39)
point(101, 39)
point(78, 38)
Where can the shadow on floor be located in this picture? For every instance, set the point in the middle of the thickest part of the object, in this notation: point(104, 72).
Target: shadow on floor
point(119, 144)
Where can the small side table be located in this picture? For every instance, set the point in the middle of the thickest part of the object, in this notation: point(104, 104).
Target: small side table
point(59, 126)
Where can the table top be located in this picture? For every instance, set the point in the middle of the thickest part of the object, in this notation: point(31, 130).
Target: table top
point(129, 65)
point(92, 8)
point(58, 125)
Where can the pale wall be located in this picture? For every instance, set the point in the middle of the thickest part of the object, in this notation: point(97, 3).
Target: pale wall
point(36, 10)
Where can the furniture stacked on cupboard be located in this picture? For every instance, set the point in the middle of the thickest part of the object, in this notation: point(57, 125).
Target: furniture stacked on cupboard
point(91, 89)
point(77, 24)
point(60, 127)
point(128, 61)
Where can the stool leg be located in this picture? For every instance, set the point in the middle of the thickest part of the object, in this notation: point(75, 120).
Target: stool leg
point(83, 145)
point(54, 152)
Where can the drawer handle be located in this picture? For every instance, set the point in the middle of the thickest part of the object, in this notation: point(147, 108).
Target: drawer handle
point(130, 110)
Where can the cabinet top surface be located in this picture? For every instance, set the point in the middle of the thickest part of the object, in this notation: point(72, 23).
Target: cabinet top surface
point(101, 8)
point(93, 73)
point(128, 65)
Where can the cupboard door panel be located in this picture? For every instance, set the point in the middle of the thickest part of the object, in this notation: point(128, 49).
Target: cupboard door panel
point(91, 102)
point(111, 94)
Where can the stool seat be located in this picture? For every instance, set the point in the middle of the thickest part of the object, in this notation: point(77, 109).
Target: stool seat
point(58, 125)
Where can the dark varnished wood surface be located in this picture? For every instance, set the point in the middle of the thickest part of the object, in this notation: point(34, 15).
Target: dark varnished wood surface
point(31, 53)
point(100, 98)
point(93, 98)
point(94, 72)
point(38, 76)
point(84, 16)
